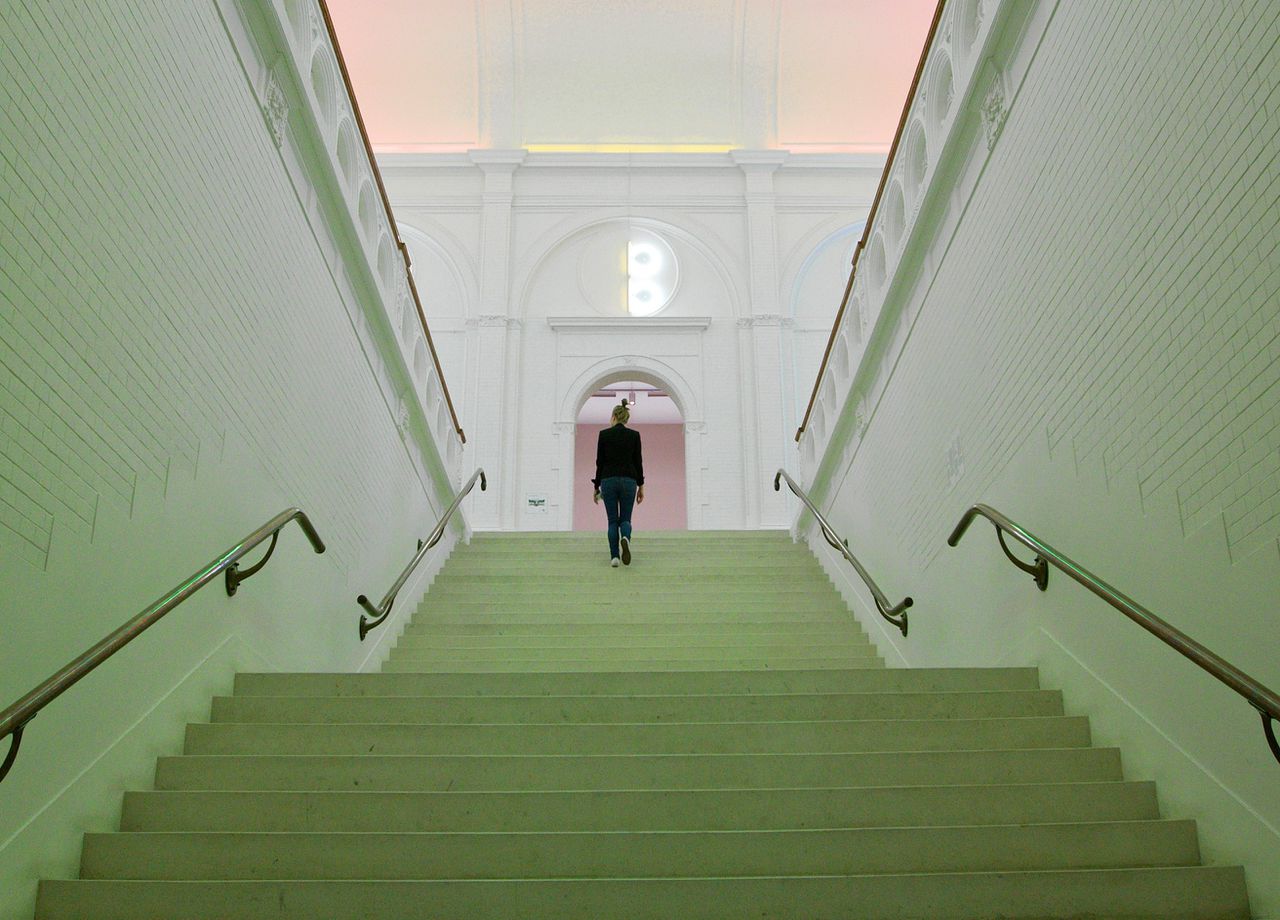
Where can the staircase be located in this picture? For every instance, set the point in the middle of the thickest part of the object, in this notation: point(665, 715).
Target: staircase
point(705, 734)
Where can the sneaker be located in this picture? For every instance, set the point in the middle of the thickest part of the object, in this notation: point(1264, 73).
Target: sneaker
point(614, 562)
point(626, 551)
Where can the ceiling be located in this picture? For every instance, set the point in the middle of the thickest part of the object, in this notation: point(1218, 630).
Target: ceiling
point(801, 75)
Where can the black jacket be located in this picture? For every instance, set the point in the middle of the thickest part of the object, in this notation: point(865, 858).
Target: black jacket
point(618, 454)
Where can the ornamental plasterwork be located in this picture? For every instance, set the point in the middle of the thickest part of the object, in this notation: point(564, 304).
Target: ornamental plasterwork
point(275, 108)
point(994, 111)
point(488, 320)
point(402, 417)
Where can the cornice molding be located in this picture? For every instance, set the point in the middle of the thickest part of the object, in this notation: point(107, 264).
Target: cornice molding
point(629, 324)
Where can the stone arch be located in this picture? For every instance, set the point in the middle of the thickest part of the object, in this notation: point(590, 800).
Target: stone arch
point(718, 256)
point(630, 367)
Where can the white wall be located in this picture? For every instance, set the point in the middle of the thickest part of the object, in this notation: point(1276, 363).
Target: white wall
point(504, 244)
point(1075, 317)
point(199, 327)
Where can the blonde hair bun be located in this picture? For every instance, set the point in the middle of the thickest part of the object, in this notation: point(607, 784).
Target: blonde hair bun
point(621, 413)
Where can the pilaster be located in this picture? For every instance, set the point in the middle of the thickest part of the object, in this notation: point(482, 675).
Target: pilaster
point(495, 376)
point(760, 340)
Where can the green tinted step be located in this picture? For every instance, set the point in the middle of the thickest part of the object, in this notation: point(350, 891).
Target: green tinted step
point(464, 613)
point(480, 633)
point(408, 665)
point(643, 854)
point(441, 773)
point(721, 708)
point(921, 680)
point(1184, 893)
point(661, 809)
point(709, 640)
point(673, 651)
point(678, 738)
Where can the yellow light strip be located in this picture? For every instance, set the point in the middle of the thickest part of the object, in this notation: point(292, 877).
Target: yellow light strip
point(629, 148)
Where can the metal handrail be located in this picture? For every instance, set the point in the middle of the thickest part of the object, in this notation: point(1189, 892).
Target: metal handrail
point(391, 218)
point(894, 613)
point(1260, 697)
point(383, 610)
point(871, 215)
point(16, 717)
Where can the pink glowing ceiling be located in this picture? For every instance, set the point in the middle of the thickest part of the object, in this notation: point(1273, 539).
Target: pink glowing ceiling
point(804, 75)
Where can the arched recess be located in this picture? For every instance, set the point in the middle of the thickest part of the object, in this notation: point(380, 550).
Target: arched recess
point(646, 370)
point(799, 262)
point(717, 255)
point(454, 256)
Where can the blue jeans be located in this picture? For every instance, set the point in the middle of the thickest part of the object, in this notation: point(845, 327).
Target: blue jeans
point(619, 496)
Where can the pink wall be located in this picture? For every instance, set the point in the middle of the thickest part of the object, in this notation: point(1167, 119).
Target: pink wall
point(664, 505)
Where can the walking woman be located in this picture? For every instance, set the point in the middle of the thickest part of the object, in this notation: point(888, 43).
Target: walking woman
point(619, 481)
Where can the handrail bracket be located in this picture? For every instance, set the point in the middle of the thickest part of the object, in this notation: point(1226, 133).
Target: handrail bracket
point(234, 576)
point(1268, 729)
point(1038, 570)
point(15, 739)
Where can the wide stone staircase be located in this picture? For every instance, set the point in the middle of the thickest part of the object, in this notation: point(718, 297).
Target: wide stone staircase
point(704, 734)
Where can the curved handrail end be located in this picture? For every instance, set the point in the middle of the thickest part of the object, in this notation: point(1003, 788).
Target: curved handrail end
point(484, 482)
point(963, 525)
point(305, 523)
point(777, 481)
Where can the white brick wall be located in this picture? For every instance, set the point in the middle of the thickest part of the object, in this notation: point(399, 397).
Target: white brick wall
point(1087, 331)
point(186, 348)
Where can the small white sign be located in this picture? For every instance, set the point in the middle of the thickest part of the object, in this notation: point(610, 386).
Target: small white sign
point(536, 503)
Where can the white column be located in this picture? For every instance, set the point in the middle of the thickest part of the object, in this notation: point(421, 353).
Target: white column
point(491, 411)
point(762, 332)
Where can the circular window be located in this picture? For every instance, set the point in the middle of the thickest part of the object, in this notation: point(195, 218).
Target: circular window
point(651, 273)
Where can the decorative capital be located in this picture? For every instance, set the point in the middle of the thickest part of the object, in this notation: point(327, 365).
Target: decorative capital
point(765, 319)
point(489, 320)
point(275, 108)
point(696, 427)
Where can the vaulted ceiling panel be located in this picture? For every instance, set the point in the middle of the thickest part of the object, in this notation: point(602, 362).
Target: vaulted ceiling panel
point(819, 75)
point(844, 70)
point(648, 72)
point(413, 65)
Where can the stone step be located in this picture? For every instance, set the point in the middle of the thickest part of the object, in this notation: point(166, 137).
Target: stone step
point(472, 611)
point(673, 590)
point(605, 653)
point(570, 771)
point(638, 809)
point(480, 633)
point(607, 738)
point(643, 854)
point(819, 635)
point(672, 575)
point(533, 665)
point(638, 683)
point(597, 709)
point(1181, 893)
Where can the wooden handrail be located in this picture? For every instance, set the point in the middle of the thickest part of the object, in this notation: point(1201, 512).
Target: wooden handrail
point(871, 215)
point(386, 203)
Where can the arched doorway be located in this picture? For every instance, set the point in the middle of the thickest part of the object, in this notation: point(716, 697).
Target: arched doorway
point(661, 425)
